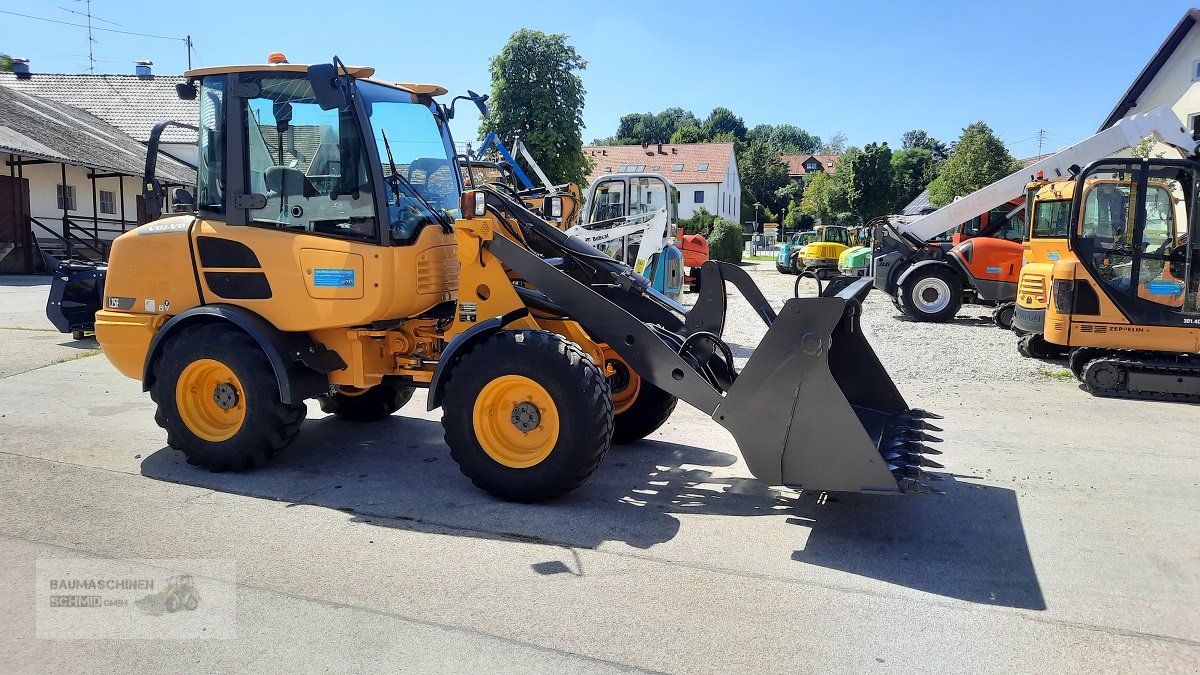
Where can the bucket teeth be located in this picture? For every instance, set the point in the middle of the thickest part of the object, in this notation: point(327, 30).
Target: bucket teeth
point(912, 434)
point(925, 414)
point(926, 462)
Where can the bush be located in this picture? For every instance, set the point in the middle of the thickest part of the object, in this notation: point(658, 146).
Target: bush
point(726, 243)
point(700, 223)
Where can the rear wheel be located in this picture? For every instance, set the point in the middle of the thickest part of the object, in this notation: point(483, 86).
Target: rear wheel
point(366, 405)
point(528, 415)
point(931, 293)
point(219, 401)
point(1002, 316)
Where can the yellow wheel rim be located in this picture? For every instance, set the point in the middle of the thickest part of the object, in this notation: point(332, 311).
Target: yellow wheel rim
point(210, 400)
point(623, 383)
point(516, 421)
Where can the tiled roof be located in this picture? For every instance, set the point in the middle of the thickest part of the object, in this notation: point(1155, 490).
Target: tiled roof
point(38, 128)
point(130, 103)
point(796, 163)
point(663, 159)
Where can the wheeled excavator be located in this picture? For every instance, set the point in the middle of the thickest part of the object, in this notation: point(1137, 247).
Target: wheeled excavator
point(339, 278)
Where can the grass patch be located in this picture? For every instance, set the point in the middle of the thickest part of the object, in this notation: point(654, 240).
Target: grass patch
point(73, 357)
point(1056, 373)
point(759, 257)
point(35, 330)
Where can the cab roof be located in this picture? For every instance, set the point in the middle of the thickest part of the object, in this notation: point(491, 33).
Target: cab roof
point(357, 72)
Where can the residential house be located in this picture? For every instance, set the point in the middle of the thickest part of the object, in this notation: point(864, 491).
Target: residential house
point(73, 182)
point(800, 166)
point(706, 174)
point(1172, 77)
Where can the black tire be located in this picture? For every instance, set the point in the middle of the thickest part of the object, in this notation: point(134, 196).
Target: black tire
point(644, 416)
point(1002, 316)
point(1034, 346)
point(269, 424)
point(582, 403)
point(372, 405)
point(932, 293)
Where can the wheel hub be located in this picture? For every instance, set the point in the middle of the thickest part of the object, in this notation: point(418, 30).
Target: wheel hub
point(526, 417)
point(931, 295)
point(225, 396)
point(1105, 376)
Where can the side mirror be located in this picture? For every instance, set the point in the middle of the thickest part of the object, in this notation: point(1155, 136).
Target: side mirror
point(186, 91)
point(283, 114)
point(480, 102)
point(327, 86)
point(183, 201)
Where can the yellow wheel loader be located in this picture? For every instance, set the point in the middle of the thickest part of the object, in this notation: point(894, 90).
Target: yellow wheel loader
point(315, 263)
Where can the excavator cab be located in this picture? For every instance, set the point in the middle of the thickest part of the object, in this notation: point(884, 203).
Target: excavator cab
point(1127, 303)
point(1048, 205)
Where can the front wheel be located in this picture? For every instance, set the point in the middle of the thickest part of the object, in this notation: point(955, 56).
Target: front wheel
point(931, 293)
point(219, 401)
point(528, 415)
point(1002, 316)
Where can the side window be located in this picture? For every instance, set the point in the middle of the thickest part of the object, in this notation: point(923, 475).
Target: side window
point(308, 163)
point(1052, 219)
point(646, 195)
point(698, 197)
point(1164, 277)
point(210, 174)
point(609, 202)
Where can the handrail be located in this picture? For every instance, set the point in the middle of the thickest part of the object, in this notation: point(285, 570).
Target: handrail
point(69, 239)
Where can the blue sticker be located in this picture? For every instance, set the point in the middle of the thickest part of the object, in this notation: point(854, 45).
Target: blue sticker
point(993, 270)
point(1161, 287)
point(332, 277)
point(1053, 256)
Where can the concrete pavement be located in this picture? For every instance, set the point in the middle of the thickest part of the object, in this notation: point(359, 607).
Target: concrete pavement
point(1065, 543)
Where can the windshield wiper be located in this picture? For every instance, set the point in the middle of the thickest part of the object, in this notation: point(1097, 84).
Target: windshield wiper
point(441, 216)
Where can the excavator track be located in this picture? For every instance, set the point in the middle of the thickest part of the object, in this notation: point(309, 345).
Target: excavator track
point(1145, 376)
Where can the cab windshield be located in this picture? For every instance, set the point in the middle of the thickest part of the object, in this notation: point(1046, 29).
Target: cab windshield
point(412, 139)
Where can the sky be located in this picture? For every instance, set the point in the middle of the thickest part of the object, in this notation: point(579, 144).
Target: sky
point(871, 70)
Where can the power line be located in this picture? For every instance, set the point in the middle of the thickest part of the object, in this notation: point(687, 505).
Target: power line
point(80, 25)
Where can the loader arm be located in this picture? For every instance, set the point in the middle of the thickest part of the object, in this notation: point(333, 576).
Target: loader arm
point(847, 427)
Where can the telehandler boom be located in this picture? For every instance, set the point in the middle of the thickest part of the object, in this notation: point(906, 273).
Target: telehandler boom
point(330, 269)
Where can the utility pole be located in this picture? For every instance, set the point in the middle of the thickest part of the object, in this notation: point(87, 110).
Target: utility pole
point(1041, 138)
point(189, 50)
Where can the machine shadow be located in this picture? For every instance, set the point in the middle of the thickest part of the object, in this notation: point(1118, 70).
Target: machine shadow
point(968, 544)
point(398, 473)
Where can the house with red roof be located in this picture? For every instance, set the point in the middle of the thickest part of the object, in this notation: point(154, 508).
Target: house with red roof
point(706, 174)
point(801, 165)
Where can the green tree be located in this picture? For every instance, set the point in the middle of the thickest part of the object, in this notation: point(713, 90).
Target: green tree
point(912, 170)
point(871, 192)
point(701, 223)
point(786, 139)
point(763, 174)
point(538, 95)
point(5, 63)
point(814, 202)
point(722, 121)
point(688, 134)
point(834, 145)
point(979, 158)
point(918, 138)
